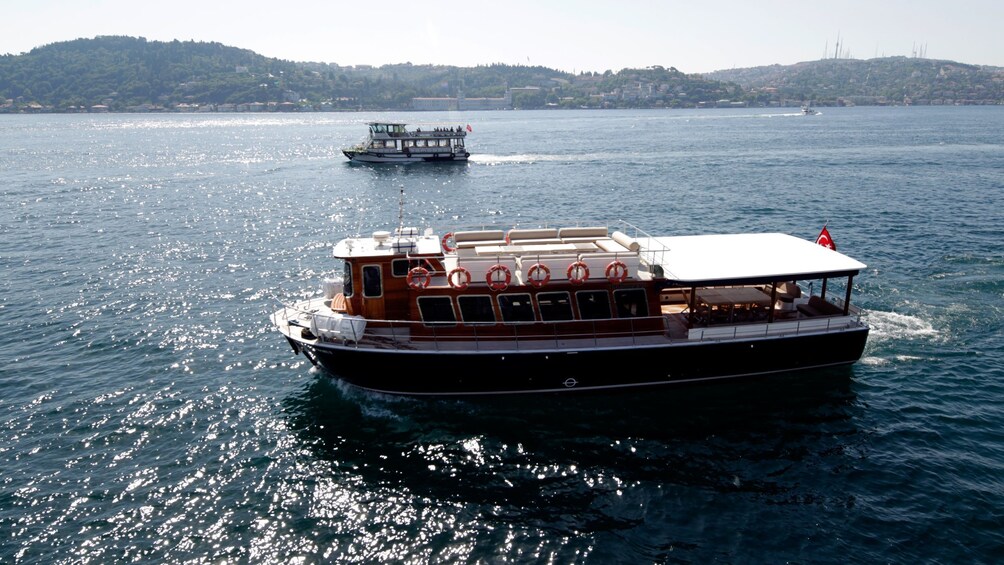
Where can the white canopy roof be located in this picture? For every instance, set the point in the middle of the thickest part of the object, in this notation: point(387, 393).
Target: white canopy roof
point(773, 256)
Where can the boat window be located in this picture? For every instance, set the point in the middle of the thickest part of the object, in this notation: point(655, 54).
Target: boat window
point(372, 286)
point(409, 143)
point(476, 309)
point(437, 310)
point(631, 303)
point(459, 142)
point(516, 307)
point(347, 279)
point(400, 267)
point(554, 306)
point(593, 304)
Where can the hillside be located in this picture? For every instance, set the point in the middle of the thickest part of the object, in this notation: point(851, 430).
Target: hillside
point(133, 74)
point(889, 80)
point(123, 74)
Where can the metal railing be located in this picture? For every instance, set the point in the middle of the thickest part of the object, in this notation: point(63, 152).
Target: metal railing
point(654, 254)
point(564, 335)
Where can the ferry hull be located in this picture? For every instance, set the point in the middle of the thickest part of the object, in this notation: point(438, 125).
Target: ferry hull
point(368, 157)
point(514, 372)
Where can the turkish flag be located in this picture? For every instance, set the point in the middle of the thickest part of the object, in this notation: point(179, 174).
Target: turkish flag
point(825, 240)
point(469, 128)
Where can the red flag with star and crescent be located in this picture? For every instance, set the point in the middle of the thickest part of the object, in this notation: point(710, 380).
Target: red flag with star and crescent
point(825, 240)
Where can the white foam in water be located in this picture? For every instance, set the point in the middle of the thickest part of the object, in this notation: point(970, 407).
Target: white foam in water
point(497, 159)
point(525, 158)
point(892, 325)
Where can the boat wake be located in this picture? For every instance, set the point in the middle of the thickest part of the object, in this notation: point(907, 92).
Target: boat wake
point(712, 116)
point(896, 326)
point(888, 327)
point(782, 115)
point(527, 158)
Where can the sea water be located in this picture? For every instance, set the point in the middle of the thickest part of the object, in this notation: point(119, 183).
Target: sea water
point(149, 413)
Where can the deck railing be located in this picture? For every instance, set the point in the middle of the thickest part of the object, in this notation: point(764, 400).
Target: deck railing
point(567, 335)
point(653, 254)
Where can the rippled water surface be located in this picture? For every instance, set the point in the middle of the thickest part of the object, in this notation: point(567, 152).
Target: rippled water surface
point(148, 413)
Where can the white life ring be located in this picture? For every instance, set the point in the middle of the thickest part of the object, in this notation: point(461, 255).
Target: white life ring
point(419, 278)
point(577, 272)
point(446, 246)
point(461, 283)
point(494, 283)
point(617, 271)
point(531, 275)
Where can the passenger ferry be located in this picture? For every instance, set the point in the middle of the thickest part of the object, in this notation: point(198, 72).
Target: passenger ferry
point(575, 308)
point(394, 143)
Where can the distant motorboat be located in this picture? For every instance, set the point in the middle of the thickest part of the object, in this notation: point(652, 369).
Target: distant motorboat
point(808, 111)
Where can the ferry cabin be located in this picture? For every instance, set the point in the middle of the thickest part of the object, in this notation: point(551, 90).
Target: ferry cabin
point(574, 282)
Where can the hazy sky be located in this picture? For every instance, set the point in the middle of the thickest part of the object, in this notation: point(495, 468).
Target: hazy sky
point(586, 35)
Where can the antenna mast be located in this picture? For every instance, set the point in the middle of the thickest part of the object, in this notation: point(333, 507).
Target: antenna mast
point(400, 211)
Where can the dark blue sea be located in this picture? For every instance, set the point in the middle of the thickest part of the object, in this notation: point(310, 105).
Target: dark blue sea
point(149, 414)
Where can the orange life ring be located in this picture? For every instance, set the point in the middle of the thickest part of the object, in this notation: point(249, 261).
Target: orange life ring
point(446, 246)
point(531, 274)
point(498, 284)
point(617, 271)
point(577, 272)
point(419, 278)
point(461, 283)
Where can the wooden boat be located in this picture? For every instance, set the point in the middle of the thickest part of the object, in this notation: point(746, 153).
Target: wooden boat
point(571, 309)
point(390, 142)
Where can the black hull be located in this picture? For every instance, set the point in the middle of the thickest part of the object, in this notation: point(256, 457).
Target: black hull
point(482, 373)
point(402, 158)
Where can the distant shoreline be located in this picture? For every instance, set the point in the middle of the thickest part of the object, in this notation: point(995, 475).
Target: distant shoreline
point(29, 112)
